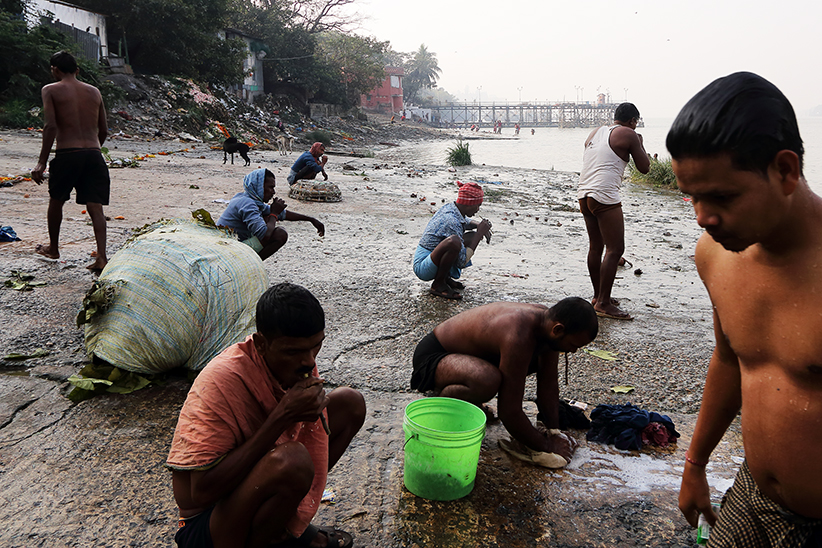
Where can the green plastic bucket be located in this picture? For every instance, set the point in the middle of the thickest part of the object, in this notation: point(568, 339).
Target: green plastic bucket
point(442, 444)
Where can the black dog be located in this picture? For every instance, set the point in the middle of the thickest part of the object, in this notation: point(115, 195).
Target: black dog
point(231, 146)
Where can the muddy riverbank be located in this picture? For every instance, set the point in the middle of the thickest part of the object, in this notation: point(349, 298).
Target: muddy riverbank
point(90, 474)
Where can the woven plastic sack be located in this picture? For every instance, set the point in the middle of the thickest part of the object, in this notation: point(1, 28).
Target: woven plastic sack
point(178, 295)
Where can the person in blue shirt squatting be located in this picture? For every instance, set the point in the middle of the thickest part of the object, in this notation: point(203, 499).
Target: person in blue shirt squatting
point(255, 221)
point(309, 164)
point(449, 242)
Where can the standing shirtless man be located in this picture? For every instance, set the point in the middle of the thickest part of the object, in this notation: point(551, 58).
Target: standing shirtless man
point(491, 349)
point(737, 151)
point(75, 116)
point(607, 151)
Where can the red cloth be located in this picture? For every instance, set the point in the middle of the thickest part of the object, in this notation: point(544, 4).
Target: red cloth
point(656, 434)
point(227, 404)
point(315, 149)
point(469, 194)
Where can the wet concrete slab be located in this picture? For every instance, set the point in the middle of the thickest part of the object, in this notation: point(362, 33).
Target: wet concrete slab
point(92, 475)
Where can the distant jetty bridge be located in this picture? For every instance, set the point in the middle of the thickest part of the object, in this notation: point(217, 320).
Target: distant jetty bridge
point(524, 114)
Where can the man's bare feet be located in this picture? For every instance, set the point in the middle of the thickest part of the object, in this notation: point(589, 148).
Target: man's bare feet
point(46, 251)
point(454, 284)
point(98, 265)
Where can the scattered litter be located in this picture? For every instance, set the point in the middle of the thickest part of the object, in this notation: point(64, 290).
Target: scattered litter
point(7, 234)
point(738, 460)
point(18, 356)
point(329, 496)
point(22, 281)
point(120, 217)
point(602, 354)
point(220, 201)
point(622, 389)
point(652, 305)
point(95, 379)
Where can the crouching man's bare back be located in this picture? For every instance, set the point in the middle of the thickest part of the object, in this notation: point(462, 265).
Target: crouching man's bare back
point(759, 261)
point(491, 349)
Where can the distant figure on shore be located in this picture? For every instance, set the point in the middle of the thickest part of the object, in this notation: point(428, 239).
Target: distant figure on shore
point(607, 151)
point(309, 164)
point(490, 350)
point(255, 221)
point(532, 131)
point(257, 435)
point(76, 117)
point(449, 242)
point(516, 128)
point(737, 152)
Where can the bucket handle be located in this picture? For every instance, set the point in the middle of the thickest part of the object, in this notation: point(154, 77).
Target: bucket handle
point(411, 437)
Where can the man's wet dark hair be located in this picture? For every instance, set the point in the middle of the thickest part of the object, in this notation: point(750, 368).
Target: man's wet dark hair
point(576, 315)
point(289, 310)
point(625, 112)
point(742, 115)
point(64, 62)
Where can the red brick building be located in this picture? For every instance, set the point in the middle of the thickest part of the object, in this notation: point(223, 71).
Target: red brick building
point(387, 97)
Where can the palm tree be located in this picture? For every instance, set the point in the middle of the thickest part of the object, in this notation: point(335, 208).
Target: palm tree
point(422, 71)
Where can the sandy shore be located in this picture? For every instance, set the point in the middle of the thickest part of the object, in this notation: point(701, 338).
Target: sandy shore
point(376, 309)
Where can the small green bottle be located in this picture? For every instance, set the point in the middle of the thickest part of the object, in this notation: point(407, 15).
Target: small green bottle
point(703, 528)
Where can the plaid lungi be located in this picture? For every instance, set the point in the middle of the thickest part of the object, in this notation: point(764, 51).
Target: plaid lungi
point(748, 519)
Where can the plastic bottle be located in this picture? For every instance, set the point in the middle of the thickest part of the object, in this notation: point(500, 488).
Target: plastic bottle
point(703, 528)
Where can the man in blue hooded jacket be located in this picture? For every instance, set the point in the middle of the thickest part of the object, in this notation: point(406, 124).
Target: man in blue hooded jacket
point(255, 221)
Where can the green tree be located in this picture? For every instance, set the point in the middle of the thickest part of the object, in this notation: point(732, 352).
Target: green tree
point(174, 37)
point(421, 71)
point(355, 62)
point(24, 68)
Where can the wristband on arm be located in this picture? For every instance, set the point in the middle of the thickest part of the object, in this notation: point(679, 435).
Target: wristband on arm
point(694, 462)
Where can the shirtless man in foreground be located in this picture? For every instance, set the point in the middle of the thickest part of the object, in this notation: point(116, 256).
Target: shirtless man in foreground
point(75, 116)
point(492, 348)
point(737, 151)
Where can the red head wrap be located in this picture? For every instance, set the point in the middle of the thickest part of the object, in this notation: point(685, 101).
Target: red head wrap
point(315, 149)
point(470, 194)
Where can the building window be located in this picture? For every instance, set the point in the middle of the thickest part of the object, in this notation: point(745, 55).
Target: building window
point(395, 81)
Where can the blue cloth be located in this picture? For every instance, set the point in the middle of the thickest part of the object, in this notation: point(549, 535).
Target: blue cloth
point(306, 159)
point(7, 234)
point(425, 269)
point(622, 425)
point(246, 210)
point(448, 221)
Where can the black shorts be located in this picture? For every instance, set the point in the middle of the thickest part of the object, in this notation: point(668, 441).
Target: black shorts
point(427, 356)
point(194, 532)
point(83, 169)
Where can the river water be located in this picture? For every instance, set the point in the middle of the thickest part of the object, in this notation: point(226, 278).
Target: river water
point(561, 148)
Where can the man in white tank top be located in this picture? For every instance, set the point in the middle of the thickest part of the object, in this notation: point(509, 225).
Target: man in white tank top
point(607, 151)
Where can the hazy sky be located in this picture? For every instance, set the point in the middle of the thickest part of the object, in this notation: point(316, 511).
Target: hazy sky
point(662, 51)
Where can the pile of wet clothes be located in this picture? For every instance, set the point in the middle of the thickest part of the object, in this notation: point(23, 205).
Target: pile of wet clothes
point(628, 427)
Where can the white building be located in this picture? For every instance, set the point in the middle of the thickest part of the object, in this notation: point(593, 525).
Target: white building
point(252, 85)
point(86, 27)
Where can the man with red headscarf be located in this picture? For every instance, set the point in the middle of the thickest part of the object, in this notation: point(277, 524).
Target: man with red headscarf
point(449, 241)
point(309, 164)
